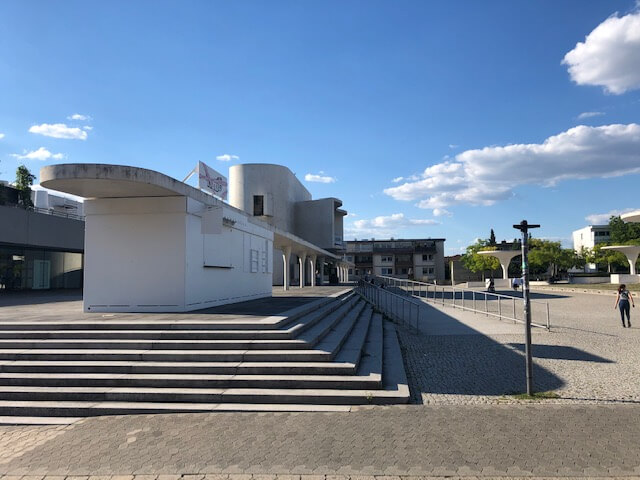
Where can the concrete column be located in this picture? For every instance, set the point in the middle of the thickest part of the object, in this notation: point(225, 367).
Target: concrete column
point(312, 259)
point(301, 260)
point(286, 258)
point(632, 263)
point(320, 262)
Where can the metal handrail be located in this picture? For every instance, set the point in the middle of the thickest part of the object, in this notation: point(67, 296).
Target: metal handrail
point(461, 305)
point(389, 303)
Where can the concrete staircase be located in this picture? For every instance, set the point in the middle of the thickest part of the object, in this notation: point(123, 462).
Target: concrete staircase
point(323, 356)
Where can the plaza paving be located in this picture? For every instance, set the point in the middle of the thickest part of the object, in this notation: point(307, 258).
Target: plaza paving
point(586, 358)
point(466, 427)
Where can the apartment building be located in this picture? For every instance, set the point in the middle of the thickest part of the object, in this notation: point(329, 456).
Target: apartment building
point(418, 259)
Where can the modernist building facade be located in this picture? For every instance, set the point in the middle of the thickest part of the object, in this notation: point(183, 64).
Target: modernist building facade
point(274, 195)
point(41, 247)
point(418, 259)
point(589, 237)
point(153, 243)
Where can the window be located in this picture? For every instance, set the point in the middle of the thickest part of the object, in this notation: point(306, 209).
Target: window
point(386, 259)
point(427, 258)
point(254, 260)
point(387, 271)
point(404, 271)
point(258, 205)
point(351, 271)
point(430, 271)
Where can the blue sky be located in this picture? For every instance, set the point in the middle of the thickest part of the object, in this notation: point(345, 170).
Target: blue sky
point(457, 98)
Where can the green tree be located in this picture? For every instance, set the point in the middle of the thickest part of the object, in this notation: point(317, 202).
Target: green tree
point(492, 238)
point(547, 256)
point(480, 263)
point(24, 180)
point(622, 233)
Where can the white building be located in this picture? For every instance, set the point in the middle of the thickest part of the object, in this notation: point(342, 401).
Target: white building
point(154, 244)
point(587, 238)
point(273, 194)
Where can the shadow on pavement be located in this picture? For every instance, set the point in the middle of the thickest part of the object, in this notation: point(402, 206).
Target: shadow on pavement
point(37, 297)
point(561, 352)
point(460, 363)
point(260, 307)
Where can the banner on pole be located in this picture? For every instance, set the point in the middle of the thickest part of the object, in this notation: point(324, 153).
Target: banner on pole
point(212, 181)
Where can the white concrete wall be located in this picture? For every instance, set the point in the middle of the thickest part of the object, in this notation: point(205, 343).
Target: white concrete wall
point(220, 268)
point(134, 254)
point(619, 278)
point(149, 254)
point(277, 183)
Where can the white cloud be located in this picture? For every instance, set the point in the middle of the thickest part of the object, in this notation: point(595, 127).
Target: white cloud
point(310, 177)
point(77, 116)
point(440, 212)
point(385, 225)
point(584, 115)
point(487, 175)
point(1, 136)
point(411, 178)
point(40, 154)
point(59, 130)
point(610, 55)
point(227, 158)
point(452, 146)
point(87, 127)
point(603, 218)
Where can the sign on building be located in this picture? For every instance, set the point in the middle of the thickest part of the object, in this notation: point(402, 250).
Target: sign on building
point(212, 181)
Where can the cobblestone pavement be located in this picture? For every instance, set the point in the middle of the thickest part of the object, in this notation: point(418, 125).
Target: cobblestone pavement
point(17, 440)
point(586, 358)
point(468, 440)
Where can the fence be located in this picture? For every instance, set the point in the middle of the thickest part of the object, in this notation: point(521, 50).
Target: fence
point(503, 307)
point(399, 308)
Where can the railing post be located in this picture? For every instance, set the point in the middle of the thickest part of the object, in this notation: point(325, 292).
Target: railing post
point(514, 309)
point(486, 306)
point(499, 307)
point(548, 321)
point(474, 300)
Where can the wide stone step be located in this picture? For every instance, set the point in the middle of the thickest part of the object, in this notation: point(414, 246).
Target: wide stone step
point(189, 382)
point(106, 344)
point(189, 321)
point(12, 395)
point(298, 355)
point(198, 368)
point(26, 412)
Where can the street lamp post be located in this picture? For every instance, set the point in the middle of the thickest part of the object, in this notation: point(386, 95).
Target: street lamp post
point(524, 227)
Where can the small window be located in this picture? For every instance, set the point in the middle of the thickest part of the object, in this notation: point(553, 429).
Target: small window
point(427, 257)
point(404, 271)
point(430, 271)
point(258, 205)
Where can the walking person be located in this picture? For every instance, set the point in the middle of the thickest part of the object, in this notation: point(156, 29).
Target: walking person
point(622, 302)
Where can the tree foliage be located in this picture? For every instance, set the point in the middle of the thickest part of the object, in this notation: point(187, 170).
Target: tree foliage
point(492, 238)
point(24, 180)
point(545, 255)
point(622, 233)
point(479, 263)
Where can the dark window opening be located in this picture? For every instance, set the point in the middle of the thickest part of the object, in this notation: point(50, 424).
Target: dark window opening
point(258, 205)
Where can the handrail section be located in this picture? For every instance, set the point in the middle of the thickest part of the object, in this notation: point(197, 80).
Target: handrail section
point(469, 300)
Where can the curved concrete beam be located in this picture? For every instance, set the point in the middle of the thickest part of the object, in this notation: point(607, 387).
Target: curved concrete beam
point(504, 257)
point(631, 217)
point(630, 251)
point(96, 180)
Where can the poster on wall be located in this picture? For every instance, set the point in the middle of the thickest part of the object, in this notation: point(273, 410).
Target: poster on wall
point(212, 181)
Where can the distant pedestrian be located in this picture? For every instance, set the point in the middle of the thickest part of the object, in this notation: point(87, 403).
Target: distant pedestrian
point(622, 302)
